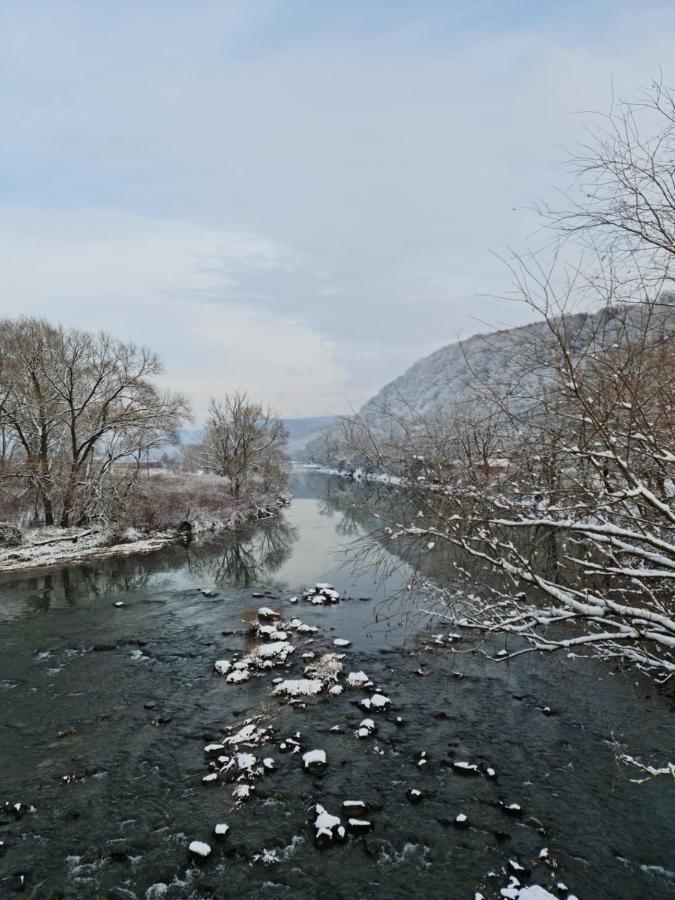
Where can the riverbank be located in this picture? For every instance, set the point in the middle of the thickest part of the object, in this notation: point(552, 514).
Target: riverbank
point(53, 546)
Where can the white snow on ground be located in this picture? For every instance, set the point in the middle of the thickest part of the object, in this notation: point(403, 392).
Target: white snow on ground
point(52, 546)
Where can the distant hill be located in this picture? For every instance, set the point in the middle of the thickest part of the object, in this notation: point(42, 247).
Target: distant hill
point(302, 431)
point(513, 362)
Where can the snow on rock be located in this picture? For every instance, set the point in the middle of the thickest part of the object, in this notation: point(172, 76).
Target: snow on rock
point(251, 733)
point(360, 826)
point(264, 656)
point(336, 690)
point(221, 830)
point(414, 796)
point(376, 703)
point(271, 633)
point(222, 666)
point(512, 890)
point(199, 850)
point(246, 761)
point(535, 892)
point(357, 679)
point(240, 672)
point(328, 828)
point(461, 821)
point(210, 778)
point(321, 593)
point(341, 642)
point(242, 793)
point(511, 809)
point(354, 807)
point(213, 749)
point(267, 857)
point(327, 668)
point(269, 764)
point(120, 603)
point(466, 768)
point(315, 760)
point(366, 728)
point(300, 687)
point(266, 613)
point(276, 650)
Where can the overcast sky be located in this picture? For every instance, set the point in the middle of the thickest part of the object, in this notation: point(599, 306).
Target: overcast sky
point(296, 197)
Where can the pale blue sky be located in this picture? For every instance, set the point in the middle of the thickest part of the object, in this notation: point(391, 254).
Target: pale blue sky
point(298, 198)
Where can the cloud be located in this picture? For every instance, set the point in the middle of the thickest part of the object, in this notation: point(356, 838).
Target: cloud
point(333, 174)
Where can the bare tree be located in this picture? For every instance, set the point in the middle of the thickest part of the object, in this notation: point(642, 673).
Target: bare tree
point(244, 442)
point(572, 540)
point(76, 403)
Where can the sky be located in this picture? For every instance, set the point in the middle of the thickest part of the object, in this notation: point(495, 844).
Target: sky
point(298, 198)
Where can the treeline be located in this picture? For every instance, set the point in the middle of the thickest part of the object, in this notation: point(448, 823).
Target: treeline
point(80, 414)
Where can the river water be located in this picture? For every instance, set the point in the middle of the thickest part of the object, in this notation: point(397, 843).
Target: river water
point(106, 711)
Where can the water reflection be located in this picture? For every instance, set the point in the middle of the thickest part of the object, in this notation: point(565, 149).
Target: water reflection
point(246, 558)
point(236, 559)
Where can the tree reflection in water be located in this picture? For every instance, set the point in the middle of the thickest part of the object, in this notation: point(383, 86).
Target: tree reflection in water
point(248, 557)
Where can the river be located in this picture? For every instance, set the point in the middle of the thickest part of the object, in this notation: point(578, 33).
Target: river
point(106, 711)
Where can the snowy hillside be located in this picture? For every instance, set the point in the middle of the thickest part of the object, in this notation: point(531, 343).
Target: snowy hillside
point(512, 363)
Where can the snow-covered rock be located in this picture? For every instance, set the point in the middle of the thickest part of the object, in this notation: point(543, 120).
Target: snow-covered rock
point(242, 793)
point(341, 642)
point(357, 679)
point(222, 666)
point(238, 675)
point(327, 668)
point(376, 703)
point(321, 593)
point(366, 728)
point(271, 633)
point(315, 760)
point(221, 830)
point(465, 768)
point(213, 749)
point(199, 850)
point(299, 687)
point(511, 809)
point(535, 892)
point(354, 807)
point(266, 613)
point(328, 828)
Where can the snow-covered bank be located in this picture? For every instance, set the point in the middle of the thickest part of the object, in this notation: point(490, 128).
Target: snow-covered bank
point(53, 546)
point(351, 475)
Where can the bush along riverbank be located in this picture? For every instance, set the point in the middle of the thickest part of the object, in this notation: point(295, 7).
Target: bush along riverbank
point(169, 507)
